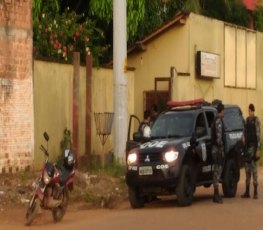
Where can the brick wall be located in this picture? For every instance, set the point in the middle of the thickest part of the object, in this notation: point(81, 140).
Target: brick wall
point(16, 86)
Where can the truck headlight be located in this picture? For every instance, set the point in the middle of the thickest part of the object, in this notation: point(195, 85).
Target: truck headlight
point(171, 155)
point(132, 158)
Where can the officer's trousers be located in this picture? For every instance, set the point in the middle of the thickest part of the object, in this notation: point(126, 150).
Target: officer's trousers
point(216, 175)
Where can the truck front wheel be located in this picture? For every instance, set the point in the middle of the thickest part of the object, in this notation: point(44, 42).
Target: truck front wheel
point(185, 188)
point(135, 199)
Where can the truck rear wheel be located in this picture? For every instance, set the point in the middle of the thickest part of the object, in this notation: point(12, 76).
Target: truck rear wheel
point(230, 178)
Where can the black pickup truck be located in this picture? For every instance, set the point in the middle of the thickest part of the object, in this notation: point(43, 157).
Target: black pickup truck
point(177, 158)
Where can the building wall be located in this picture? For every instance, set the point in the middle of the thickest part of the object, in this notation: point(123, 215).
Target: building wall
point(16, 91)
point(103, 101)
point(168, 50)
point(213, 42)
point(177, 47)
point(53, 98)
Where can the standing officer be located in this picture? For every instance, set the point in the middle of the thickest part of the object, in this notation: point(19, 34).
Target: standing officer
point(252, 142)
point(218, 150)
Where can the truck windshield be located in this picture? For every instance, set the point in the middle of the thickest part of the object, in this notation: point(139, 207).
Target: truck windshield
point(172, 125)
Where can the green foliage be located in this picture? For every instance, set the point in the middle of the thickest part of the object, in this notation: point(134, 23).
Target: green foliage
point(89, 197)
point(115, 169)
point(24, 175)
point(103, 9)
point(153, 17)
point(37, 7)
point(192, 6)
point(238, 15)
point(59, 31)
point(112, 167)
point(229, 11)
point(57, 35)
point(258, 18)
point(135, 13)
point(157, 12)
point(99, 200)
point(65, 143)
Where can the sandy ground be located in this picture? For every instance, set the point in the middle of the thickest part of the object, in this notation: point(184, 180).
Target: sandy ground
point(202, 214)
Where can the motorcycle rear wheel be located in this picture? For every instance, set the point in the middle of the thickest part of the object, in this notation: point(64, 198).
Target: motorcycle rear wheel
point(31, 211)
point(59, 212)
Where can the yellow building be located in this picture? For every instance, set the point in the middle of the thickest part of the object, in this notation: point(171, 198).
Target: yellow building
point(193, 56)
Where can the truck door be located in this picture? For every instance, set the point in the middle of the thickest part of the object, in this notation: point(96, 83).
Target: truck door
point(132, 142)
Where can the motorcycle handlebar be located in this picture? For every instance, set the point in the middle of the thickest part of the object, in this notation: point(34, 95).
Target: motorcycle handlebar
point(44, 150)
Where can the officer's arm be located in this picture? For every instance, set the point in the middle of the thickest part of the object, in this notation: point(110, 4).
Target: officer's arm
point(258, 131)
point(219, 134)
point(147, 131)
point(244, 138)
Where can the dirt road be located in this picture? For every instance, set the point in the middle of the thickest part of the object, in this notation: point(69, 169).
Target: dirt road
point(235, 213)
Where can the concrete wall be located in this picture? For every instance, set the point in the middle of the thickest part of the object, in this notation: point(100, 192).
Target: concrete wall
point(16, 89)
point(177, 47)
point(52, 105)
point(53, 98)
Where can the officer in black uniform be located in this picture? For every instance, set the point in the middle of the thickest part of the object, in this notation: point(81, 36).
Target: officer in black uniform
point(252, 143)
point(218, 150)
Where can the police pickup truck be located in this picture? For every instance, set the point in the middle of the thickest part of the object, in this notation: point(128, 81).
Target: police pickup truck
point(177, 158)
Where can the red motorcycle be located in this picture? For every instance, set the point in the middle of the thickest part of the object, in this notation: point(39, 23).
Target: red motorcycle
point(52, 187)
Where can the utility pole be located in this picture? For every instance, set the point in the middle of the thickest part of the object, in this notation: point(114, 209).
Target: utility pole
point(120, 79)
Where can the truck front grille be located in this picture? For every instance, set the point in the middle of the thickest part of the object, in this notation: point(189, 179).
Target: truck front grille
point(150, 157)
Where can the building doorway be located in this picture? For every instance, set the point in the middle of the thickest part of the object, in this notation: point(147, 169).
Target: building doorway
point(158, 98)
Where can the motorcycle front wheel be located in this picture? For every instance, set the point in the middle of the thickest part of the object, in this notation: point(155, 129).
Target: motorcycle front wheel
point(31, 211)
point(59, 212)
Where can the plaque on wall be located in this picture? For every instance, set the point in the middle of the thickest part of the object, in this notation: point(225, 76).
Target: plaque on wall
point(207, 64)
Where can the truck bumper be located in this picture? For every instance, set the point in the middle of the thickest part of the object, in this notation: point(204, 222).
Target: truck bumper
point(162, 175)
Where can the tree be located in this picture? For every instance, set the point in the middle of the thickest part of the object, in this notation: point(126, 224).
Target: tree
point(103, 9)
point(143, 16)
point(37, 7)
point(159, 11)
point(226, 10)
point(258, 18)
point(57, 34)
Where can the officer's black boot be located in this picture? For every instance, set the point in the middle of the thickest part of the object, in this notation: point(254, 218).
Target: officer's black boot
point(246, 194)
point(255, 192)
point(217, 198)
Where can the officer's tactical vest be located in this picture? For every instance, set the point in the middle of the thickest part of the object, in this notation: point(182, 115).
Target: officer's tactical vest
point(213, 131)
point(251, 132)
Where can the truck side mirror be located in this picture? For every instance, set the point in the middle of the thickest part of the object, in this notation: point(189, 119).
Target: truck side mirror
point(46, 136)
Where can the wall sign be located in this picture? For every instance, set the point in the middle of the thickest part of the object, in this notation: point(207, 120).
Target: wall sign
point(207, 64)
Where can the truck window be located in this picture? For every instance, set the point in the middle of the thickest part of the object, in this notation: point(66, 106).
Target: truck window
point(173, 125)
point(233, 119)
point(200, 128)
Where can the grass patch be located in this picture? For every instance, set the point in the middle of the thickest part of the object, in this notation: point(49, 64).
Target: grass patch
point(24, 175)
point(114, 168)
point(89, 197)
